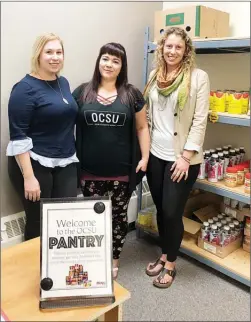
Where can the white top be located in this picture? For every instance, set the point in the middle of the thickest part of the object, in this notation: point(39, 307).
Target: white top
point(162, 143)
point(21, 146)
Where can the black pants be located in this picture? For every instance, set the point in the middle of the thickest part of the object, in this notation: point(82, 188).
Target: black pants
point(120, 197)
point(170, 199)
point(58, 182)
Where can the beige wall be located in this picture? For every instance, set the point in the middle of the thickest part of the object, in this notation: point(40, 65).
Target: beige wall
point(84, 27)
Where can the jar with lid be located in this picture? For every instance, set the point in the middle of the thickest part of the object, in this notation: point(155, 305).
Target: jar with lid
point(246, 167)
point(229, 147)
point(232, 158)
point(231, 177)
point(202, 172)
point(205, 231)
point(225, 148)
point(232, 229)
point(242, 153)
point(210, 221)
point(213, 168)
point(226, 236)
point(237, 156)
point(219, 150)
point(247, 183)
point(215, 236)
point(240, 174)
point(226, 161)
point(237, 228)
point(220, 217)
point(215, 219)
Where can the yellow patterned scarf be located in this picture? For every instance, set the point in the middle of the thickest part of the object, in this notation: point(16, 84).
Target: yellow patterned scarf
point(167, 84)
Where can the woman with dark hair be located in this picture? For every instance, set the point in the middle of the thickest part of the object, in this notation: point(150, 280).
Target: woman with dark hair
point(112, 138)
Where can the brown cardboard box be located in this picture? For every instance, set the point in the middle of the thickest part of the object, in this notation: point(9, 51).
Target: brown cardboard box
point(193, 227)
point(198, 21)
point(199, 201)
point(246, 247)
point(220, 251)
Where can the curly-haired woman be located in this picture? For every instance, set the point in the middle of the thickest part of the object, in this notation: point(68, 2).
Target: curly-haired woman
point(177, 96)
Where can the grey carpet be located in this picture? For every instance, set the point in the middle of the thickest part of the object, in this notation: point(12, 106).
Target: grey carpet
point(198, 293)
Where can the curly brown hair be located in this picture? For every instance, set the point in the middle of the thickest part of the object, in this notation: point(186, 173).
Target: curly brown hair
point(188, 62)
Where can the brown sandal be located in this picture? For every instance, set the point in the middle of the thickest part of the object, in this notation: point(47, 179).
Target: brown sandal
point(162, 274)
point(158, 261)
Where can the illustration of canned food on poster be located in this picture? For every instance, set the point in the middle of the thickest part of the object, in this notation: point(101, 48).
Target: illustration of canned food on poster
point(76, 248)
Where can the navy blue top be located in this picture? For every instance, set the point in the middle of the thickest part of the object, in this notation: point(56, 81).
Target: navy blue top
point(37, 111)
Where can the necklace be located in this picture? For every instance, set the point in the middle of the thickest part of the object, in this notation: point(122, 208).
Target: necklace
point(64, 99)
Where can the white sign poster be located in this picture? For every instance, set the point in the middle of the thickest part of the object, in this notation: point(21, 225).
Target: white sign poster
point(76, 252)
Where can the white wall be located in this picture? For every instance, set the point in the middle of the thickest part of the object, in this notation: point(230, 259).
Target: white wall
point(84, 27)
point(239, 13)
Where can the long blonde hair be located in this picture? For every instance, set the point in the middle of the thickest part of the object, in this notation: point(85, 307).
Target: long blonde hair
point(38, 46)
point(188, 61)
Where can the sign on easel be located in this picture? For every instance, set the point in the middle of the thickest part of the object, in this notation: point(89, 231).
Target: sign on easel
point(76, 252)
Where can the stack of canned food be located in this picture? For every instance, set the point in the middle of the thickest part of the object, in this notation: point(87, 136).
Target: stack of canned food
point(225, 163)
point(229, 101)
point(221, 230)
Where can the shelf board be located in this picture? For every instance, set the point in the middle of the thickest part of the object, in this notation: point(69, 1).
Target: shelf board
point(236, 265)
point(216, 46)
point(219, 188)
point(226, 118)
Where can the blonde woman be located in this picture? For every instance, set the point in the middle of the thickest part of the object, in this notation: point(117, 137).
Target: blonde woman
point(42, 115)
point(177, 96)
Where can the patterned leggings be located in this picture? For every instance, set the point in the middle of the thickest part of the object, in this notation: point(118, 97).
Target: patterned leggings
point(118, 191)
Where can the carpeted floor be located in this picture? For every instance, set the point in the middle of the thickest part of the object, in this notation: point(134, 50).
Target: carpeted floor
point(198, 293)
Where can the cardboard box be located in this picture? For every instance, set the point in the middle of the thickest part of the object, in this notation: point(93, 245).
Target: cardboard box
point(220, 251)
point(193, 227)
point(199, 201)
point(246, 247)
point(198, 21)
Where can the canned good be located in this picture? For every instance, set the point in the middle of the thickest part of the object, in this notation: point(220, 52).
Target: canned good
point(235, 103)
point(211, 101)
point(245, 102)
point(219, 101)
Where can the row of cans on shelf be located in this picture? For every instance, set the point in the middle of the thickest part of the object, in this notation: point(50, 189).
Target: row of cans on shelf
point(230, 101)
point(216, 161)
point(221, 230)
